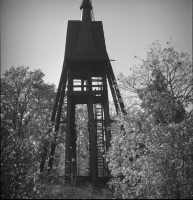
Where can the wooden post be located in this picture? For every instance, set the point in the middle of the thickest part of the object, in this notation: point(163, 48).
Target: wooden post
point(82, 84)
point(107, 118)
point(93, 152)
point(61, 102)
point(57, 97)
point(73, 140)
point(113, 93)
point(70, 159)
point(68, 131)
point(117, 90)
point(68, 141)
point(60, 92)
point(92, 133)
point(106, 111)
point(89, 130)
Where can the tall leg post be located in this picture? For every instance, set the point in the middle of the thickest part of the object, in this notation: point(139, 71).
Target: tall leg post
point(93, 145)
point(68, 141)
point(73, 141)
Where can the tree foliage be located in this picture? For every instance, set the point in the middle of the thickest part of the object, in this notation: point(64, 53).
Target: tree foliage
point(152, 157)
point(26, 105)
point(163, 82)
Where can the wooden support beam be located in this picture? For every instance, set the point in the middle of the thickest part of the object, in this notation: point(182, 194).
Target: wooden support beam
point(106, 111)
point(93, 152)
point(74, 86)
point(107, 121)
point(89, 130)
point(68, 132)
point(93, 136)
point(68, 140)
point(58, 96)
point(82, 84)
point(73, 140)
point(113, 92)
point(70, 80)
point(53, 147)
point(89, 82)
point(44, 152)
point(79, 99)
point(61, 102)
point(91, 93)
point(117, 90)
point(44, 155)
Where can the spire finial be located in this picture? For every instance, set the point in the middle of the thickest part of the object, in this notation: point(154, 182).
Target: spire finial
point(86, 3)
point(86, 8)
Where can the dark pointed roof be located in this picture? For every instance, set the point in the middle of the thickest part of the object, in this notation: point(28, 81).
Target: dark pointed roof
point(85, 39)
point(85, 45)
point(83, 42)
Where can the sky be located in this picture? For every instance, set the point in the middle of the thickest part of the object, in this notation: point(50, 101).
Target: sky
point(33, 32)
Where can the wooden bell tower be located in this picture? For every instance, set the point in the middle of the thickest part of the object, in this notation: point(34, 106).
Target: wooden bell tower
point(85, 72)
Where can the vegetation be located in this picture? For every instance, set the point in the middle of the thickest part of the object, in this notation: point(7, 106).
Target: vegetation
point(26, 137)
point(26, 103)
point(151, 157)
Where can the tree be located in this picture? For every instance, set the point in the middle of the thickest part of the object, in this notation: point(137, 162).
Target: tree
point(153, 156)
point(163, 82)
point(26, 106)
point(151, 161)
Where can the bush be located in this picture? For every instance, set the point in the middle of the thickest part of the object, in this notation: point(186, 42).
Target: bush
point(152, 161)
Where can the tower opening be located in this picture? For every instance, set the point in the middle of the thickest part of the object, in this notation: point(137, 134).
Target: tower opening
point(82, 140)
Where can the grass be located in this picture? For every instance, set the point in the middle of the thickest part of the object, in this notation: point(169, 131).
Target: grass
point(53, 191)
point(48, 188)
